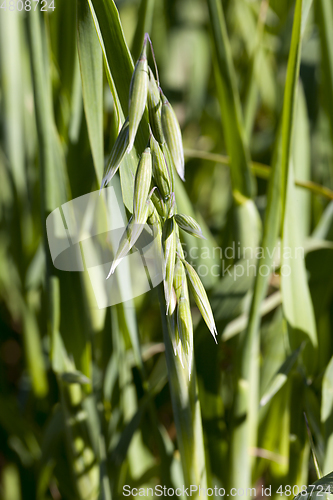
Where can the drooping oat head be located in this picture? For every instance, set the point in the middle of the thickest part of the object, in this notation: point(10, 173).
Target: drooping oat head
point(154, 202)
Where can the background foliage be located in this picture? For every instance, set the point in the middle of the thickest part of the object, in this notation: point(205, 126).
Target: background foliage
point(85, 402)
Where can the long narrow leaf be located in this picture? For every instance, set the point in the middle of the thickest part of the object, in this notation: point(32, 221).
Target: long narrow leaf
point(250, 351)
point(91, 65)
point(325, 10)
point(230, 104)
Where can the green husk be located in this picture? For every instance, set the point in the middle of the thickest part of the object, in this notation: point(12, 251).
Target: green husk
point(188, 224)
point(142, 186)
point(138, 95)
point(169, 255)
point(117, 154)
point(161, 172)
point(154, 108)
point(200, 297)
point(173, 137)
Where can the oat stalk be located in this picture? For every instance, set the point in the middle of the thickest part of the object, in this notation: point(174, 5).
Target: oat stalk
point(154, 199)
point(154, 203)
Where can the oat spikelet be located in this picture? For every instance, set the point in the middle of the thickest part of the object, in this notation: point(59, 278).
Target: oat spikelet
point(190, 225)
point(185, 330)
point(161, 171)
point(159, 204)
point(138, 94)
point(169, 254)
point(117, 154)
point(173, 137)
point(142, 185)
point(130, 236)
point(154, 108)
point(200, 297)
point(179, 277)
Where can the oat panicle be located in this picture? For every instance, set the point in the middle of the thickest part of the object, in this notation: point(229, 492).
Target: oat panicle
point(154, 202)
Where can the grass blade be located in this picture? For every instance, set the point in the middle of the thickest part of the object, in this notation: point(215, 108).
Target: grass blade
point(91, 65)
point(11, 487)
point(299, 313)
point(242, 438)
point(296, 299)
point(302, 162)
point(326, 414)
point(230, 104)
point(280, 378)
point(33, 349)
point(325, 18)
point(289, 103)
point(257, 56)
point(11, 82)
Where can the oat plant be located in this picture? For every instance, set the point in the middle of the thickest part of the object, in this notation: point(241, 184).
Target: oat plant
point(155, 204)
point(85, 406)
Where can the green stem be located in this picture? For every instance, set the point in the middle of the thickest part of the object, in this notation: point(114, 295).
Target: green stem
point(252, 94)
point(260, 170)
point(229, 100)
point(187, 412)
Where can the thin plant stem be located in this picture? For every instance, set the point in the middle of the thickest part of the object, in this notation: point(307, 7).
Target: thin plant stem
point(187, 412)
point(260, 170)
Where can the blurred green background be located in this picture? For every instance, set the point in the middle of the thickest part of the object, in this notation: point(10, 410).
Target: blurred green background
point(85, 404)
